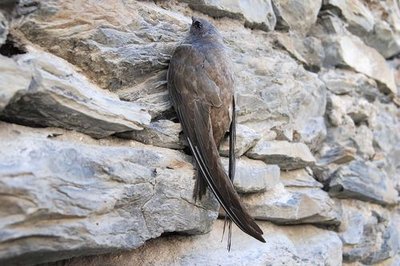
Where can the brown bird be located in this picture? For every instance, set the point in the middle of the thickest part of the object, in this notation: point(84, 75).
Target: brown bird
point(200, 84)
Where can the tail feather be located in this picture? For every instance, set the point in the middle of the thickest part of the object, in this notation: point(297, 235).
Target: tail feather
point(207, 158)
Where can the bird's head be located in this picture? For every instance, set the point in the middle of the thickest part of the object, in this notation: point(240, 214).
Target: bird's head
point(202, 28)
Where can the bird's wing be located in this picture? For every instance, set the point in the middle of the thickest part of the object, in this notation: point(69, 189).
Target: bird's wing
point(193, 93)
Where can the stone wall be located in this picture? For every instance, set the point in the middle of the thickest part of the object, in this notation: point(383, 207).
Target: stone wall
point(92, 159)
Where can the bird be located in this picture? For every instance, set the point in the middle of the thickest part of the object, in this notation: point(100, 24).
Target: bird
point(201, 88)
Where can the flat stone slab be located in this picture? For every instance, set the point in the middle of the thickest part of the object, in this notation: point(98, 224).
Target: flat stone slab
point(287, 155)
point(258, 14)
point(253, 175)
point(51, 92)
point(294, 245)
point(64, 194)
point(299, 178)
point(363, 181)
point(292, 205)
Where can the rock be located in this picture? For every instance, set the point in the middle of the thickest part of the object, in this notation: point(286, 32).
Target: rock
point(126, 51)
point(253, 176)
point(343, 134)
point(386, 127)
point(273, 91)
point(246, 138)
point(352, 52)
point(296, 15)
point(161, 133)
point(358, 109)
point(352, 226)
point(364, 142)
point(9, 85)
point(372, 231)
point(51, 92)
point(373, 27)
point(3, 28)
point(337, 155)
point(307, 50)
point(306, 245)
point(299, 178)
point(363, 181)
point(287, 155)
point(69, 196)
point(313, 133)
point(337, 109)
point(344, 81)
point(357, 15)
point(292, 205)
point(258, 14)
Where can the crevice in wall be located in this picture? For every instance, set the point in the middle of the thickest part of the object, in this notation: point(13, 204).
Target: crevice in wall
point(11, 47)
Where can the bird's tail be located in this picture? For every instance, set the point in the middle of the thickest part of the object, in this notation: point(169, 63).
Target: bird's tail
point(210, 167)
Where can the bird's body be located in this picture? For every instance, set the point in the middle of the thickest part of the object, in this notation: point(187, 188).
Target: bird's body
point(200, 84)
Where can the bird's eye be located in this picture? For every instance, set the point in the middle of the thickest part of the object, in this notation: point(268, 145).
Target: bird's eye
point(198, 24)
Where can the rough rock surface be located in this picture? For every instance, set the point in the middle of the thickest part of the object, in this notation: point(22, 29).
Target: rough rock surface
point(296, 15)
point(297, 245)
point(316, 85)
point(51, 93)
point(3, 28)
point(363, 181)
point(352, 52)
point(253, 175)
point(68, 197)
point(246, 138)
point(293, 205)
point(377, 29)
point(287, 155)
point(299, 178)
point(257, 14)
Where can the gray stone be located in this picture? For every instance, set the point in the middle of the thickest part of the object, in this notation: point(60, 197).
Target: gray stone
point(350, 51)
point(374, 28)
point(253, 176)
point(161, 133)
point(292, 205)
point(296, 15)
point(364, 142)
point(287, 155)
point(299, 178)
point(387, 127)
point(273, 91)
point(3, 28)
point(343, 134)
point(257, 14)
point(246, 138)
point(126, 51)
point(344, 81)
point(308, 50)
point(313, 133)
point(384, 39)
point(351, 227)
point(72, 195)
point(379, 239)
point(51, 92)
point(337, 155)
point(357, 15)
point(306, 245)
point(364, 181)
point(9, 85)
point(359, 109)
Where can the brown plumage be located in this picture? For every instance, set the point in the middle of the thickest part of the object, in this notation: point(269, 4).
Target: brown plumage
point(200, 84)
